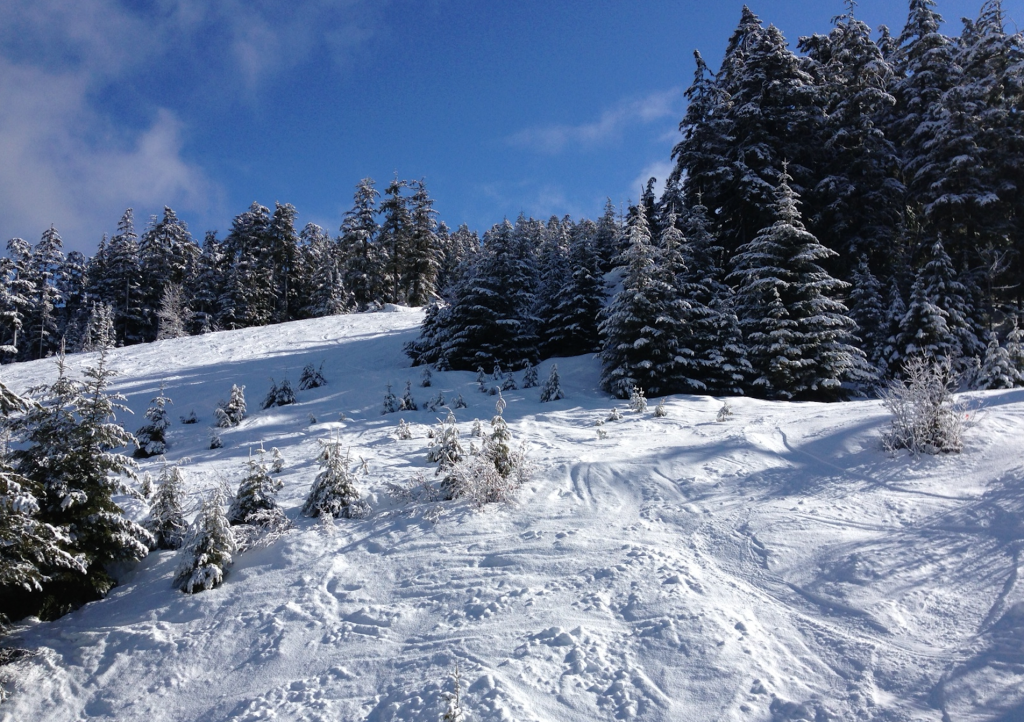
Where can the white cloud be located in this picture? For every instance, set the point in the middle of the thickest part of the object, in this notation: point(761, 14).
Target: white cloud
point(68, 159)
point(659, 169)
point(611, 123)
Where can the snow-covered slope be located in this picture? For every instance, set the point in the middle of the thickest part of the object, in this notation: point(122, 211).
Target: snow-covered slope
point(777, 565)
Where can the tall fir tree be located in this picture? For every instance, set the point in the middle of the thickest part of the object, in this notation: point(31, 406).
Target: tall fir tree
point(641, 326)
point(799, 335)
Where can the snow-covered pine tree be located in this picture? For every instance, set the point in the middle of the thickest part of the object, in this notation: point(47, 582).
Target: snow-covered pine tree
point(490, 318)
point(799, 336)
point(151, 439)
point(17, 293)
point(997, 371)
point(637, 400)
point(363, 259)
point(390, 402)
point(99, 330)
point(334, 489)
point(936, 323)
point(552, 390)
point(891, 358)
point(206, 553)
point(312, 377)
point(257, 492)
point(423, 261)
point(42, 333)
point(167, 255)
point(280, 394)
point(121, 287)
point(867, 312)
point(205, 284)
point(719, 354)
point(325, 292)
point(530, 379)
point(445, 450)
point(642, 325)
point(30, 549)
point(172, 313)
point(71, 455)
point(858, 198)
point(407, 403)
point(166, 520)
point(1015, 349)
point(231, 412)
point(572, 327)
point(553, 271)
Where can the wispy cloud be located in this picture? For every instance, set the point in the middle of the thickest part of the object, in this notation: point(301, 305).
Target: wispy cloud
point(610, 125)
point(69, 159)
point(660, 170)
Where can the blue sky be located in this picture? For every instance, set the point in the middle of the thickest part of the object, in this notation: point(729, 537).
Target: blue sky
point(207, 105)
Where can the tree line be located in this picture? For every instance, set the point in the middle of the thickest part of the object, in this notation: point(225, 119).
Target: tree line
point(830, 215)
point(162, 283)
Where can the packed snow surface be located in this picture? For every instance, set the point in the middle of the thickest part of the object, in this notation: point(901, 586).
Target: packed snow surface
point(777, 565)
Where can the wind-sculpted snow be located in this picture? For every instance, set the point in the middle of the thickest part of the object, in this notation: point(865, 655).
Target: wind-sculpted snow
point(774, 566)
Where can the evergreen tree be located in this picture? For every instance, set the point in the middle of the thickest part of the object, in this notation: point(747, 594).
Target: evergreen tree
point(609, 239)
point(936, 322)
point(395, 240)
point(891, 358)
point(281, 255)
point(248, 297)
point(552, 390)
point(324, 293)
point(799, 336)
point(459, 249)
point(71, 456)
point(206, 553)
point(167, 254)
point(171, 315)
point(553, 271)
point(18, 293)
point(205, 286)
point(232, 412)
point(423, 262)
point(719, 355)
point(151, 439)
point(573, 325)
point(997, 371)
point(99, 331)
point(1015, 349)
point(642, 325)
point(859, 197)
point(166, 520)
point(30, 549)
point(42, 321)
point(363, 261)
point(120, 285)
point(490, 317)
point(72, 283)
point(257, 493)
point(867, 312)
point(334, 489)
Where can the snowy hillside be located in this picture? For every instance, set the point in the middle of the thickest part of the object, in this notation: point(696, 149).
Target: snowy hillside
point(773, 566)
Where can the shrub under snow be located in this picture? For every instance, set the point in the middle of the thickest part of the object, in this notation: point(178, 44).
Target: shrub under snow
point(925, 415)
point(206, 553)
point(334, 490)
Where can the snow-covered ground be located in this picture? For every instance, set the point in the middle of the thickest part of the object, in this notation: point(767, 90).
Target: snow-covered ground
point(775, 566)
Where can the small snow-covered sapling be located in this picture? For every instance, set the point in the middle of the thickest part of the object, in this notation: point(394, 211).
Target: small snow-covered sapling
point(425, 378)
point(637, 400)
point(552, 390)
point(215, 440)
point(459, 403)
point(660, 411)
point(530, 377)
point(615, 415)
point(509, 384)
point(725, 412)
point(404, 431)
point(190, 418)
point(312, 377)
point(390, 402)
point(407, 404)
point(276, 461)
